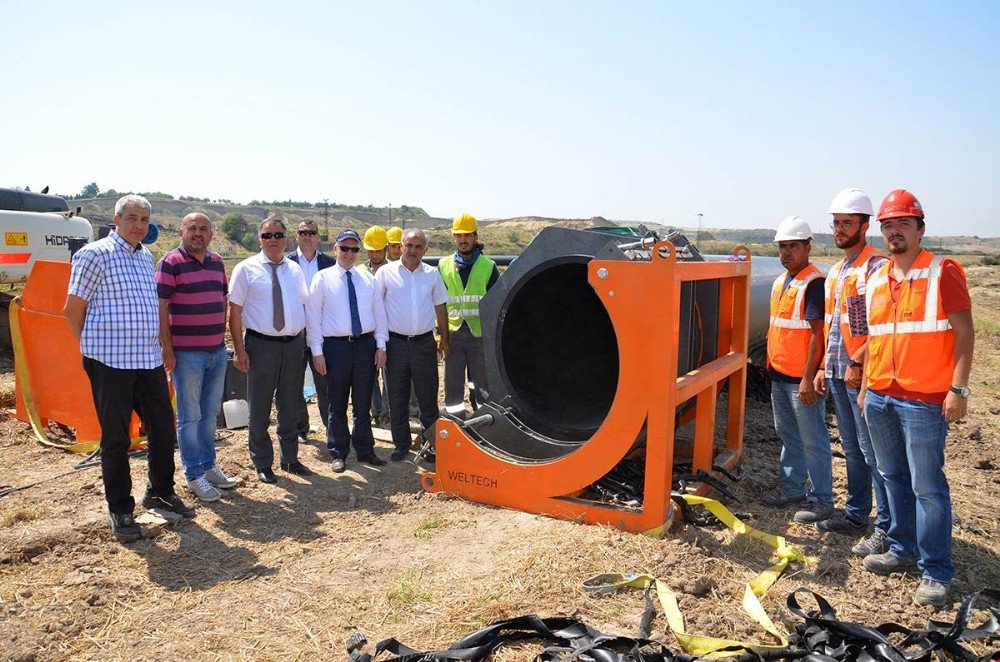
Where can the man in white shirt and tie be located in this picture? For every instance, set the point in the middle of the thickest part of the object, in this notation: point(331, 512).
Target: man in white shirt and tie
point(346, 331)
point(267, 295)
point(311, 261)
point(415, 298)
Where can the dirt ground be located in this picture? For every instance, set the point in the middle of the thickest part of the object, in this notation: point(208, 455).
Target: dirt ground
point(290, 570)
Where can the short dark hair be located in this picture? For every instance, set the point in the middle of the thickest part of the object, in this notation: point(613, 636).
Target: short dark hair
point(272, 218)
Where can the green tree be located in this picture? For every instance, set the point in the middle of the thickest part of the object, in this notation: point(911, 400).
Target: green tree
point(91, 190)
point(234, 226)
point(249, 241)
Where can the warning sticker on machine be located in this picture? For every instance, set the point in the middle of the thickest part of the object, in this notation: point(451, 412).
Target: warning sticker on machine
point(15, 238)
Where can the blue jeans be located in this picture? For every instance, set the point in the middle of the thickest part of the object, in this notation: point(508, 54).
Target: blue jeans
point(862, 468)
point(908, 437)
point(805, 443)
point(199, 378)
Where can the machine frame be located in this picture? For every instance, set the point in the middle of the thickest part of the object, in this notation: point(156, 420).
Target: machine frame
point(649, 393)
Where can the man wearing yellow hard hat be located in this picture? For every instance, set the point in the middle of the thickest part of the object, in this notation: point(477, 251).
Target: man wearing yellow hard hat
point(468, 275)
point(375, 242)
point(395, 238)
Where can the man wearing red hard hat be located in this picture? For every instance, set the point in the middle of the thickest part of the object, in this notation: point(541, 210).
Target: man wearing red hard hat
point(920, 342)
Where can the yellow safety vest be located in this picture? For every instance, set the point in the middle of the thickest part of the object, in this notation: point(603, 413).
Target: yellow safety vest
point(463, 300)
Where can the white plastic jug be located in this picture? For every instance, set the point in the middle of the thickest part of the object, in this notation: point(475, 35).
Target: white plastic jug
point(237, 413)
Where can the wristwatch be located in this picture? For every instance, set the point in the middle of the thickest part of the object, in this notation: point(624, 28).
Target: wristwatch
point(855, 364)
point(963, 391)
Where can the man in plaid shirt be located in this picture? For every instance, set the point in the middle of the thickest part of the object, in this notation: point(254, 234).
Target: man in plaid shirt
point(113, 309)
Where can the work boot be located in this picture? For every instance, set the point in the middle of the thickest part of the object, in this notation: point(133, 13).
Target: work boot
point(888, 563)
point(203, 489)
point(841, 523)
point(338, 465)
point(876, 543)
point(219, 479)
point(815, 511)
point(372, 460)
point(123, 527)
point(780, 501)
point(171, 503)
point(932, 593)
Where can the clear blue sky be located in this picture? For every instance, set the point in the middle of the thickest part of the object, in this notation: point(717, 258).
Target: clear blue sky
point(649, 111)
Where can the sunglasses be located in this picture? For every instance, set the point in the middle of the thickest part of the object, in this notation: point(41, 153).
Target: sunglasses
point(350, 249)
point(272, 235)
point(308, 233)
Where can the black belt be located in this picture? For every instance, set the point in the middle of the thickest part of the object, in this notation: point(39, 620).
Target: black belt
point(419, 336)
point(350, 338)
point(264, 336)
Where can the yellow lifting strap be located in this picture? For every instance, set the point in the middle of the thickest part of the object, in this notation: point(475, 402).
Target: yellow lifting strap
point(701, 645)
point(27, 395)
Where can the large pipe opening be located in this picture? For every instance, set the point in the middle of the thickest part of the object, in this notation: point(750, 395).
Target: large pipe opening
point(559, 353)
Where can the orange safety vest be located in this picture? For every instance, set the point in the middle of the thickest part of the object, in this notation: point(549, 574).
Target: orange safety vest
point(789, 332)
point(854, 283)
point(910, 341)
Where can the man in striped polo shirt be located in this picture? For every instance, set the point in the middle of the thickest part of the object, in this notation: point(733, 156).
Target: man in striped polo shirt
point(191, 284)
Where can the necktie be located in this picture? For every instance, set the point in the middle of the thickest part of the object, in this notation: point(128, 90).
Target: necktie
point(352, 296)
point(276, 299)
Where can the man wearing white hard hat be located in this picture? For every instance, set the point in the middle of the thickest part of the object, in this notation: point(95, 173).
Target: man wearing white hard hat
point(794, 353)
point(846, 346)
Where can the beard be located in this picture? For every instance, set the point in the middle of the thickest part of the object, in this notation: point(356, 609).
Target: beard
point(849, 241)
point(897, 248)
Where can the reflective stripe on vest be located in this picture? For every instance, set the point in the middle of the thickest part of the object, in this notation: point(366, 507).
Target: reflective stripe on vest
point(463, 300)
point(789, 331)
point(910, 341)
point(852, 283)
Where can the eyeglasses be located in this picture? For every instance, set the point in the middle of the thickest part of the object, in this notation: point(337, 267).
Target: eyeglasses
point(272, 235)
point(308, 233)
point(847, 225)
point(350, 249)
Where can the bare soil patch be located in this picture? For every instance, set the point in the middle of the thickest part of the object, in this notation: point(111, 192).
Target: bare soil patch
point(293, 569)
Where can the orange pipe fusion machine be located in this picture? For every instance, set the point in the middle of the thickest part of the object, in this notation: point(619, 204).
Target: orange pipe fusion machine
point(599, 348)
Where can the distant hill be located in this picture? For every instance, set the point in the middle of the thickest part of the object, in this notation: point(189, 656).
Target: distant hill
point(763, 238)
point(167, 213)
point(503, 236)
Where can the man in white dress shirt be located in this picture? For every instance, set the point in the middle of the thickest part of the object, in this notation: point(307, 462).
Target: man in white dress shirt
point(346, 331)
point(267, 295)
point(311, 261)
point(415, 297)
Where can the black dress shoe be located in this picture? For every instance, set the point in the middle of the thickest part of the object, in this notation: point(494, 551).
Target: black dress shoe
point(398, 455)
point(266, 475)
point(372, 459)
point(296, 468)
point(171, 503)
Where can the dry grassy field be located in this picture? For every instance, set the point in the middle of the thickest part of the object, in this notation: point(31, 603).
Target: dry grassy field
point(290, 570)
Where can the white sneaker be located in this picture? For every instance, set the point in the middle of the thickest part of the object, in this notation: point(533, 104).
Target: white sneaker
point(219, 479)
point(203, 489)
